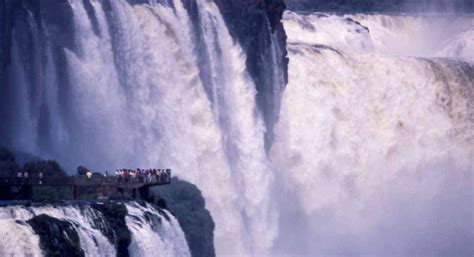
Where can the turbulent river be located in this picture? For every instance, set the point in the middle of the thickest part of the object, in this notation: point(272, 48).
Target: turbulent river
point(373, 146)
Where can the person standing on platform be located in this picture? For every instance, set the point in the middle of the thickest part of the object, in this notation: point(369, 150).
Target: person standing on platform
point(18, 176)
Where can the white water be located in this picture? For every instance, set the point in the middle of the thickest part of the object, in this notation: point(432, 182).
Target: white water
point(149, 237)
point(81, 218)
point(18, 238)
point(449, 36)
point(138, 101)
point(375, 147)
point(155, 237)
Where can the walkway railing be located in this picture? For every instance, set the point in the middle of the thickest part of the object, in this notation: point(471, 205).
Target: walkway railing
point(118, 181)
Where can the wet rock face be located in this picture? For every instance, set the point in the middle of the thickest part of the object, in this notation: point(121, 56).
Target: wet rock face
point(252, 22)
point(115, 227)
point(273, 9)
point(60, 238)
point(57, 237)
point(185, 201)
point(257, 26)
point(61, 235)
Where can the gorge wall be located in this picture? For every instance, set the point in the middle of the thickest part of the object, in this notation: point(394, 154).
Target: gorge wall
point(258, 28)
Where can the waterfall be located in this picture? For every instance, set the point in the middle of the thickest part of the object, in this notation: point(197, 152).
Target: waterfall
point(18, 237)
point(373, 130)
point(151, 236)
point(375, 141)
point(152, 231)
point(125, 90)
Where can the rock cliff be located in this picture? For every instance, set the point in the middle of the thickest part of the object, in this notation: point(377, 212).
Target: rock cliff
point(257, 25)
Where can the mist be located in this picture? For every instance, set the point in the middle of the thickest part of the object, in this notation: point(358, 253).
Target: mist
point(438, 6)
point(405, 6)
point(374, 143)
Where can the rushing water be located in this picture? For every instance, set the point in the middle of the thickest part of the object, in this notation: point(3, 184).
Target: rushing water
point(119, 86)
point(376, 135)
point(372, 149)
point(150, 230)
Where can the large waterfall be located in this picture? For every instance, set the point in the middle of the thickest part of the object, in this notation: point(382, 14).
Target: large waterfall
point(375, 141)
point(110, 84)
point(372, 147)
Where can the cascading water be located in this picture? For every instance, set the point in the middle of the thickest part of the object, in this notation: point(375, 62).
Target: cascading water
point(371, 150)
point(151, 236)
point(122, 88)
point(375, 143)
point(151, 232)
point(18, 238)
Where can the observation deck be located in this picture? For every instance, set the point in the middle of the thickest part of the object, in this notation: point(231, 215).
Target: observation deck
point(137, 187)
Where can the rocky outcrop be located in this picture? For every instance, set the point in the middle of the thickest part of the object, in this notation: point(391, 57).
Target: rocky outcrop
point(257, 26)
point(115, 227)
point(60, 235)
point(57, 237)
point(187, 204)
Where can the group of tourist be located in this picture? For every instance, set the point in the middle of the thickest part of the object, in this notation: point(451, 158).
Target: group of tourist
point(122, 175)
point(143, 175)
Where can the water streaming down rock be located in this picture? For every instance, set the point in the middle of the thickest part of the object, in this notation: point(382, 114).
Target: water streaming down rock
point(85, 230)
point(366, 127)
point(375, 139)
point(112, 84)
point(153, 233)
point(17, 238)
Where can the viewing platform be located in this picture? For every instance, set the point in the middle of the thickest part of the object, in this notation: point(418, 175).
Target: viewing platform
point(136, 186)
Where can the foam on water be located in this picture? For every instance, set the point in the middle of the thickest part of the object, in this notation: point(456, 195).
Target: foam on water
point(439, 35)
point(375, 148)
point(17, 238)
point(152, 232)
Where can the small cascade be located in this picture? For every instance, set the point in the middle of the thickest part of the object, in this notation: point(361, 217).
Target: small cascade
point(88, 229)
point(154, 232)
